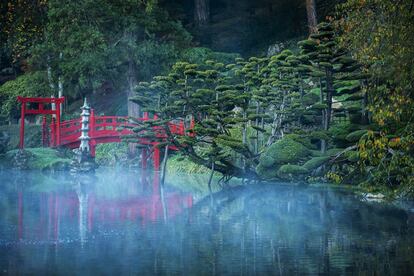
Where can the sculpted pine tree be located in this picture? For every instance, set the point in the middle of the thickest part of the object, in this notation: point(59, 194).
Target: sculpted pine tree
point(284, 95)
point(332, 68)
point(208, 94)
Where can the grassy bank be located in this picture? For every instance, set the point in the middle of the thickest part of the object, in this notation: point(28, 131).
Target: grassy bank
point(41, 159)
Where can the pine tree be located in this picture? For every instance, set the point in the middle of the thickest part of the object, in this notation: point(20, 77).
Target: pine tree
point(333, 68)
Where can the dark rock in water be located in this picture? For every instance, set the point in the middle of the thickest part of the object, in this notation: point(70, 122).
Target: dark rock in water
point(83, 162)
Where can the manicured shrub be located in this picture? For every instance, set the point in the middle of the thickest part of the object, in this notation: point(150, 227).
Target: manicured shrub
point(286, 151)
point(291, 172)
point(283, 152)
point(315, 162)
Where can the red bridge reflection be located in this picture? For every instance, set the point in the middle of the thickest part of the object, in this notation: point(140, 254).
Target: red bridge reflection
point(85, 207)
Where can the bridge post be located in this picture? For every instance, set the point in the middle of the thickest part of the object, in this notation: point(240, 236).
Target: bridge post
point(58, 125)
point(143, 158)
point(192, 125)
point(156, 158)
point(92, 132)
point(53, 132)
point(23, 112)
point(181, 129)
point(45, 142)
point(145, 116)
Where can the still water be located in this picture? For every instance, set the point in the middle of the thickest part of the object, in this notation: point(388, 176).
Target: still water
point(125, 223)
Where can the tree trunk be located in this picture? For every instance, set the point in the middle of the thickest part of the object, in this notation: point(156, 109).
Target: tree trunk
point(329, 96)
point(133, 108)
point(256, 148)
point(323, 142)
point(210, 190)
point(60, 87)
point(201, 12)
point(311, 12)
point(328, 111)
point(164, 165)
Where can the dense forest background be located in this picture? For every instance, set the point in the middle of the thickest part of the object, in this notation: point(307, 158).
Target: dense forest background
point(273, 94)
point(47, 36)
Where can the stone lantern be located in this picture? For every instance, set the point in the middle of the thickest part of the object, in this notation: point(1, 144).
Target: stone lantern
point(84, 162)
point(84, 138)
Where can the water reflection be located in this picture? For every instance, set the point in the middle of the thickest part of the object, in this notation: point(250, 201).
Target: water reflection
point(89, 202)
point(127, 223)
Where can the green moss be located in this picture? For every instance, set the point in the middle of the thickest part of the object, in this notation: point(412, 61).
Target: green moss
point(266, 161)
point(315, 162)
point(266, 172)
point(180, 164)
point(280, 153)
point(111, 154)
point(43, 159)
point(286, 151)
point(291, 172)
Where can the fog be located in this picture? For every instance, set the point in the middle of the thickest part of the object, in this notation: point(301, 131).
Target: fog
point(124, 222)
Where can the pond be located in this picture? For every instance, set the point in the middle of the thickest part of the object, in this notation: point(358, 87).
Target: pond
point(124, 223)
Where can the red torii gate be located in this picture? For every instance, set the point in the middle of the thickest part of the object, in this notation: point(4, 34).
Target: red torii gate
point(40, 110)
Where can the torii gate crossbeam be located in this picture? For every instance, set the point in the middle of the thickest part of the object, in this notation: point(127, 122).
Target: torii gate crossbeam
point(40, 110)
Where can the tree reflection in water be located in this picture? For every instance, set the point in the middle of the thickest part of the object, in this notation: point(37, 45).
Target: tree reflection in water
point(126, 223)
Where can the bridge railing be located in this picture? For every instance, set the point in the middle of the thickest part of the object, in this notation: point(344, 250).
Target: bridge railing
point(69, 131)
point(106, 126)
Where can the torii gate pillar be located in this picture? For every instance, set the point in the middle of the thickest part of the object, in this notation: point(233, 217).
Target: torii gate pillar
point(40, 110)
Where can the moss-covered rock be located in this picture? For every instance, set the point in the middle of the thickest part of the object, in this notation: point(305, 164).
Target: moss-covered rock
point(315, 162)
point(291, 172)
point(285, 151)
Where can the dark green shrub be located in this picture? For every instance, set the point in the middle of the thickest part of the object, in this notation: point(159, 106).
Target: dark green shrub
point(291, 172)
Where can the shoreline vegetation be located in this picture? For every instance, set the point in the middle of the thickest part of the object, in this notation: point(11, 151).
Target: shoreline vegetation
point(57, 161)
point(329, 100)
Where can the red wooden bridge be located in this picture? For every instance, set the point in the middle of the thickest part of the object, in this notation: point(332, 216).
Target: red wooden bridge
point(110, 129)
point(102, 129)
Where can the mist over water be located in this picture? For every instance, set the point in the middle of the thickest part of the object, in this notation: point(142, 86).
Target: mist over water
point(125, 223)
